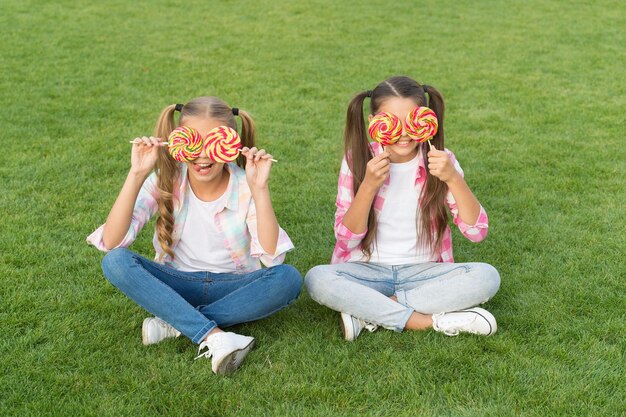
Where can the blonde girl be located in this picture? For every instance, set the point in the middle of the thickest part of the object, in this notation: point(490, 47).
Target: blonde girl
point(215, 226)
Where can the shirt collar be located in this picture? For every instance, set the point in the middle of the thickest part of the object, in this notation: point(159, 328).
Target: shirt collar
point(231, 201)
point(377, 148)
point(232, 191)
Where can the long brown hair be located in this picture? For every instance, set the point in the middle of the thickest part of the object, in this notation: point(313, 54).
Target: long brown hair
point(434, 217)
point(167, 168)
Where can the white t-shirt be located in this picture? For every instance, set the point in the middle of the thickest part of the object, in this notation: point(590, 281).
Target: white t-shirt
point(201, 246)
point(396, 235)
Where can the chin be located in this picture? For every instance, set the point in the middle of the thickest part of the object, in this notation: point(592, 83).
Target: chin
point(205, 178)
point(405, 151)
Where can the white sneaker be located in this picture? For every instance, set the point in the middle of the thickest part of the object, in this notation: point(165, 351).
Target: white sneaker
point(351, 327)
point(154, 330)
point(227, 349)
point(473, 320)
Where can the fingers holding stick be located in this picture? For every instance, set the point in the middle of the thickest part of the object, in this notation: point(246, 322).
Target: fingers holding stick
point(257, 155)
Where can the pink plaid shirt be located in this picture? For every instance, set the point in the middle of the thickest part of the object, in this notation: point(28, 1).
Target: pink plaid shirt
point(236, 219)
point(349, 243)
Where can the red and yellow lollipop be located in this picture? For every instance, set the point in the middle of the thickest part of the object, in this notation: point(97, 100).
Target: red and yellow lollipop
point(222, 144)
point(385, 128)
point(185, 144)
point(421, 124)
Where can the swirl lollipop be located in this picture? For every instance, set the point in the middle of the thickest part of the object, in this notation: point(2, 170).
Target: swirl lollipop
point(422, 124)
point(222, 144)
point(385, 128)
point(185, 144)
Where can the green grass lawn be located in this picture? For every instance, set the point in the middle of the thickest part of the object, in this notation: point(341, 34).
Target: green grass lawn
point(536, 101)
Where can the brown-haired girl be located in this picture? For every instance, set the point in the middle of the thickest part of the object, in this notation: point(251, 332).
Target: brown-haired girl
point(392, 265)
point(215, 225)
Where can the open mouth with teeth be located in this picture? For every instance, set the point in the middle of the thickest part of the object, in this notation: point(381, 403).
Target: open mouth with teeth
point(203, 167)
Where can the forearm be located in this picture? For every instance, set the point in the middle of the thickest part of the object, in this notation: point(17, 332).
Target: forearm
point(267, 225)
point(467, 204)
point(120, 216)
point(356, 217)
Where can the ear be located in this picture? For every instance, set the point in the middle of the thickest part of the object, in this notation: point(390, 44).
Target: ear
point(369, 118)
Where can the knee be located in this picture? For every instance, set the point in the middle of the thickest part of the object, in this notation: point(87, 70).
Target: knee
point(115, 264)
point(291, 280)
point(490, 278)
point(317, 281)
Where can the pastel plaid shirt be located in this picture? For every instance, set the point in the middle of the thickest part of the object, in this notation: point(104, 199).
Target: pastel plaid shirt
point(236, 220)
point(349, 243)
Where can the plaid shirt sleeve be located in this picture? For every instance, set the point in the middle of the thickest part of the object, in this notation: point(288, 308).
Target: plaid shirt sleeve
point(145, 206)
point(476, 232)
point(283, 245)
point(346, 239)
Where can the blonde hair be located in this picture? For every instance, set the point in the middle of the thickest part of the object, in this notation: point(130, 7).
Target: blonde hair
point(167, 169)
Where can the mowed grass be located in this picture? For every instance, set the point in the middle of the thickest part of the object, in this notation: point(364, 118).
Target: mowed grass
point(535, 113)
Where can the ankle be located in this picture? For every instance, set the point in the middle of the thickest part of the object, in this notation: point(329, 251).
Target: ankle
point(215, 330)
point(419, 321)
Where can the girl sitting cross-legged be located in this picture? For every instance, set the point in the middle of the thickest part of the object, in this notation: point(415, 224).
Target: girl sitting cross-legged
point(215, 226)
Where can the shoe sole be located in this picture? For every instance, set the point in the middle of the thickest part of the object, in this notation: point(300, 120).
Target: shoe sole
point(347, 334)
point(233, 360)
point(144, 334)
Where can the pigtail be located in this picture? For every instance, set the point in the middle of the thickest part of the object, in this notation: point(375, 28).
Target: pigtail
point(166, 169)
point(356, 145)
point(433, 210)
point(247, 135)
point(358, 153)
point(434, 100)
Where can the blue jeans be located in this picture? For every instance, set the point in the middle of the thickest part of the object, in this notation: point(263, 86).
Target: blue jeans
point(362, 289)
point(194, 303)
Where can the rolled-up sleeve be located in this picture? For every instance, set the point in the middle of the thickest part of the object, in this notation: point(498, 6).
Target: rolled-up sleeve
point(145, 206)
point(475, 232)
point(346, 239)
point(283, 245)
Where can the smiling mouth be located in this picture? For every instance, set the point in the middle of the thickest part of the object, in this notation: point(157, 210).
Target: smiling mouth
point(203, 166)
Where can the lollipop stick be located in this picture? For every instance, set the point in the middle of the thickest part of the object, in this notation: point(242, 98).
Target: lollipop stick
point(431, 146)
point(273, 160)
point(138, 142)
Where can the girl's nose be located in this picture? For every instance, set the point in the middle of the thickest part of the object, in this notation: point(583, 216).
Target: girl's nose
point(404, 132)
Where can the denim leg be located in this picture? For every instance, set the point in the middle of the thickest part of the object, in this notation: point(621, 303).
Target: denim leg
point(149, 284)
point(441, 287)
point(360, 289)
point(240, 298)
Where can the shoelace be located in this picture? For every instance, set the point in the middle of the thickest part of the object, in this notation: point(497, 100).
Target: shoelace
point(210, 346)
point(371, 327)
point(448, 331)
point(454, 328)
point(168, 329)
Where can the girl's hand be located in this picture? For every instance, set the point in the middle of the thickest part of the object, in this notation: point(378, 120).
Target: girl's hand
point(144, 154)
point(377, 171)
point(258, 166)
point(440, 165)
